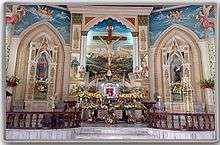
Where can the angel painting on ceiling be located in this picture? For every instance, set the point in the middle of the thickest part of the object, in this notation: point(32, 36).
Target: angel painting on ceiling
point(203, 17)
point(175, 16)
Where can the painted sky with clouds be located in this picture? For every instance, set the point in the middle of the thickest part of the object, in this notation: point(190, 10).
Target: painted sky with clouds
point(60, 20)
point(159, 21)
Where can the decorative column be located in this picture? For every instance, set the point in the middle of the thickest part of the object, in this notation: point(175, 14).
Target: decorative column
point(143, 28)
point(83, 48)
point(135, 50)
point(187, 94)
point(210, 93)
point(76, 29)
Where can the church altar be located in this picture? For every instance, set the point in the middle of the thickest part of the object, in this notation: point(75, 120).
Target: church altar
point(111, 102)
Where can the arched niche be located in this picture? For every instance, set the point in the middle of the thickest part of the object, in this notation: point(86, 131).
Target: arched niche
point(26, 61)
point(189, 51)
point(98, 47)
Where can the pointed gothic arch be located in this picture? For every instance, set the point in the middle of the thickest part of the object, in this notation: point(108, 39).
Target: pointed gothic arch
point(23, 93)
point(193, 56)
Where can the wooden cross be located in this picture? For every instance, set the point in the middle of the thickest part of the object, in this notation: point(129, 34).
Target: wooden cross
point(109, 40)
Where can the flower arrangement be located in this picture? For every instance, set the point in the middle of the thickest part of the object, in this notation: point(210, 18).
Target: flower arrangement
point(176, 88)
point(13, 81)
point(90, 95)
point(132, 95)
point(41, 85)
point(110, 117)
point(207, 83)
point(134, 106)
point(92, 89)
point(77, 90)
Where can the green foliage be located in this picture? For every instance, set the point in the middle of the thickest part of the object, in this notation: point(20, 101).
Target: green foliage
point(98, 65)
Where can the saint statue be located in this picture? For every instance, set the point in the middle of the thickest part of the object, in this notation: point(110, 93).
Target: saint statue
point(177, 71)
point(82, 71)
point(145, 69)
point(42, 68)
point(74, 64)
point(138, 72)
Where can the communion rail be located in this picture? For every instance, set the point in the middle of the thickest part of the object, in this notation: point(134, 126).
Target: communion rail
point(43, 120)
point(180, 121)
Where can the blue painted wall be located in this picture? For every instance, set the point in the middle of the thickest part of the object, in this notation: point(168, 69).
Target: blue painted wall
point(60, 19)
point(160, 21)
point(118, 30)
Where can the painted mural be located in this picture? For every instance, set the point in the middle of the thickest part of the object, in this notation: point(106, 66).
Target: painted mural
point(60, 19)
point(75, 64)
point(97, 49)
point(198, 18)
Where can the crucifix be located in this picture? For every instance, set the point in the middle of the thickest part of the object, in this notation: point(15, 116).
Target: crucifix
point(109, 41)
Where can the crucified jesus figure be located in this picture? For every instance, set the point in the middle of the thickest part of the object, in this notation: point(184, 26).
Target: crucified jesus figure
point(109, 41)
point(109, 46)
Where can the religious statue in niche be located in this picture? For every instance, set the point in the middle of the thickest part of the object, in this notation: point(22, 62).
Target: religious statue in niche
point(82, 71)
point(145, 68)
point(186, 72)
point(41, 82)
point(177, 73)
point(138, 72)
point(76, 38)
point(74, 65)
point(42, 68)
point(143, 40)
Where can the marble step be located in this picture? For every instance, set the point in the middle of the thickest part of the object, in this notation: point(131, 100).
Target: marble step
point(114, 131)
point(113, 136)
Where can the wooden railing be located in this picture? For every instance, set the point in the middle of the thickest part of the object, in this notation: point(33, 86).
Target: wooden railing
point(159, 120)
point(180, 121)
point(43, 120)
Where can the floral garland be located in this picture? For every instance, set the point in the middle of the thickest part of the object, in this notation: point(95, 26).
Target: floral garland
point(13, 81)
point(89, 95)
point(209, 83)
point(131, 96)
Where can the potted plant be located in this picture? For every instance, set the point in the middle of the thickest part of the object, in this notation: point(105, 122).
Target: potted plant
point(207, 83)
point(13, 81)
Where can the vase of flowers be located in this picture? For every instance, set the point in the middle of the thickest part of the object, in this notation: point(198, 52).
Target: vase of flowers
point(13, 81)
point(41, 85)
point(176, 88)
point(207, 83)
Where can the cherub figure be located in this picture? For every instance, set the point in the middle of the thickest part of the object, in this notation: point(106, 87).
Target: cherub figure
point(203, 17)
point(16, 16)
point(175, 15)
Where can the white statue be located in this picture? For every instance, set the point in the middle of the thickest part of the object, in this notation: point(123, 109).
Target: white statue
point(145, 69)
point(137, 72)
point(82, 71)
